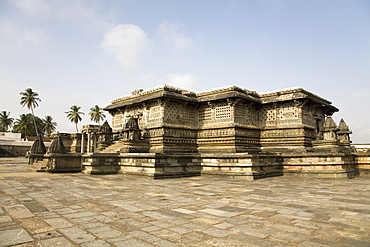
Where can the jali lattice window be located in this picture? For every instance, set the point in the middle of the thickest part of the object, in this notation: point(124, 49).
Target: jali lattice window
point(205, 113)
point(222, 110)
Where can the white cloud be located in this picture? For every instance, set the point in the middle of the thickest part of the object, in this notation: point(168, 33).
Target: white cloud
point(171, 35)
point(34, 7)
point(125, 42)
point(21, 35)
point(88, 12)
point(185, 81)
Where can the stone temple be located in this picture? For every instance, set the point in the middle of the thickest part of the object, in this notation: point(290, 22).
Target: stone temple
point(229, 131)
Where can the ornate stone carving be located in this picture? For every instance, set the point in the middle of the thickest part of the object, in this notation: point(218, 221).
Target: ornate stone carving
point(105, 135)
point(132, 131)
point(57, 145)
point(292, 117)
point(343, 133)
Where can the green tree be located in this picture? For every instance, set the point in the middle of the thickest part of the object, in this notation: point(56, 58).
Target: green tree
point(74, 115)
point(6, 122)
point(23, 124)
point(96, 114)
point(49, 125)
point(30, 99)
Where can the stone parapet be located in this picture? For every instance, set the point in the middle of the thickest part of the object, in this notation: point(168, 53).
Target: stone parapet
point(322, 165)
point(363, 163)
point(241, 165)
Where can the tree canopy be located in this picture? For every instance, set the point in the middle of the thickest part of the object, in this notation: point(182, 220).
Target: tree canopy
point(30, 99)
point(96, 114)
point(24, 124)
point(48, 125)
point(74, 115)
point(6, 122)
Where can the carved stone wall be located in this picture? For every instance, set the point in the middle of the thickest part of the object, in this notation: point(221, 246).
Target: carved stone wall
point(229, 119)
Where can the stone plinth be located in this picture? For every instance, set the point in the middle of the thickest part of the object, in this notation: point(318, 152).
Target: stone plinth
point(58, 163)
point(363, 163)
point(324, 165)
point(147, 164)
point(242, 165)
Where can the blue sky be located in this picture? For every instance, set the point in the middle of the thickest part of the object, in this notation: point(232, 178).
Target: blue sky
point(90, 52)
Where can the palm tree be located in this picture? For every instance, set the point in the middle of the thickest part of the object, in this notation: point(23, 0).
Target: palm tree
point(96, 114)
point(49, 125)
point(5, 121)
point(23, 124)
point(74, 115)
point(30, 98)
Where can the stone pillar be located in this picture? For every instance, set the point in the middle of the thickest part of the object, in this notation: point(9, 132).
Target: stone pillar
point(82, 142)
point(76, 143)
point(88, 142)
point(94, 142)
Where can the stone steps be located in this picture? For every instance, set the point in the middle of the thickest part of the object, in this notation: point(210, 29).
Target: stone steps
point(114, 148)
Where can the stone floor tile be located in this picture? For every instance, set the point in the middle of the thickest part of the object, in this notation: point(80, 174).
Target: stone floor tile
point(223, 242)
point(133, 242)
point(216, 232)
point(198, 235)
point(205, 221)
point(47, 235)
point(35, 225)
point(145, 236)
point(96, 243)
point(223, 225)
point(290, 238)
point(18, 211)
point(282, 211)
point(5, 219)
point(121, 238)
point(112, 233)
point(14, 236)
point(60, 241)
point(167, 235)
point(184, 211)
point(354, 242)
point(150, 228)
point(250, 240)
point(165, 243)
point(77, 235)
point(195, 226)
point(180, 230)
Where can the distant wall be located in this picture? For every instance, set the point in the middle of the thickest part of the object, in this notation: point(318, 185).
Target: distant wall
point(11, 150)
point(6, 136)
point(16, 148)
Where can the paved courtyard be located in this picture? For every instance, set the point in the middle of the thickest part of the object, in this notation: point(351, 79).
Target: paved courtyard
point(43, 209)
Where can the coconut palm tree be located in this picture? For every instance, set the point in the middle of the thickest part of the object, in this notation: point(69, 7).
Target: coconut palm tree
point(30, 98)
point(5, 121)
point(49, 125)
point(96, 114)
point(23, 124)
point(74, 115)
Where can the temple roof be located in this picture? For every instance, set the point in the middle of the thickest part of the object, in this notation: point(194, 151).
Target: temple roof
point(139, 96)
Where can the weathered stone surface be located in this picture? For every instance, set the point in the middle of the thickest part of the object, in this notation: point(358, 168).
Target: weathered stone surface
point(62, 242)
point(18, 211)
point(14, 236)
point(191, 211)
